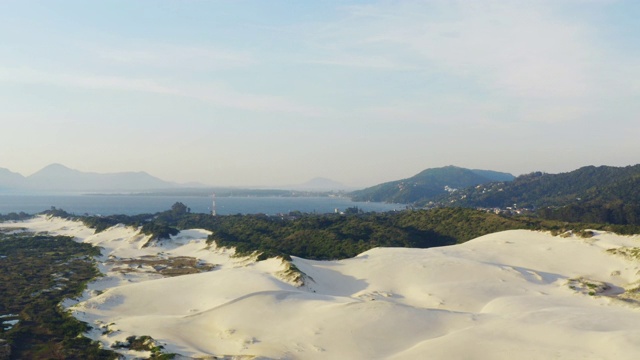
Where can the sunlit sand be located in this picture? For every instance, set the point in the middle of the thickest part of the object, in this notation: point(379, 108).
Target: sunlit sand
point(509, 295)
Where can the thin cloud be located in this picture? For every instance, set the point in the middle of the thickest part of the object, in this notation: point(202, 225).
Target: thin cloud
point(523, 53)
point(33, 76)
point(217, 95)
point(517, 48)
point(175, 56)
point(365, 62)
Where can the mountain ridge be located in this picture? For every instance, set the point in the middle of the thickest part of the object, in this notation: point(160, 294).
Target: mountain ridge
point(428, 184)
point(60, 178)
point(538, 189)
point(597, 194)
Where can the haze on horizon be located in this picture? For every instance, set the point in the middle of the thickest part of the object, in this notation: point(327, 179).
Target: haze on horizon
point(279, 92)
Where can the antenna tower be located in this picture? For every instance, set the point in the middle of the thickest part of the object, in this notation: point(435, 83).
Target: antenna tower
point(213, 205)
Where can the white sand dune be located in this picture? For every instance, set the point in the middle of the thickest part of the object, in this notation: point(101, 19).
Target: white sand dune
point(510, 295)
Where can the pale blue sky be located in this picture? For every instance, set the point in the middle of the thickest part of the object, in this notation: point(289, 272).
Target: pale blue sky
point(278, 92)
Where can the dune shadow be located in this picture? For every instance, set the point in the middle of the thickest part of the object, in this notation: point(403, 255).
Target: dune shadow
point(536, 276)
point(327, 281)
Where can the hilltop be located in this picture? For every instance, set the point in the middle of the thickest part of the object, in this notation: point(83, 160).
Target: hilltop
point(593, 194)
point(603, 194)
point(59, 178)
point(428, 185)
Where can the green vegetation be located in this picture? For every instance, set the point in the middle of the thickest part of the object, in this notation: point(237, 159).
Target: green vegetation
point(101, 223)
point(37, 272)
point(587, 287)
point(631, 253)
point(336, 236)
point(144, 343)
point(598, 211)
point(585, 234)
point(428, 185)
point(590, 194)
point(170, 266)
point(339, 236)
point(159, 226)
point(15, 216)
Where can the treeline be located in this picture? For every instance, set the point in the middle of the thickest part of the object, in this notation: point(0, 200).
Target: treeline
point(339, 236)
point(335, 236)
point(615, 212)
point(332, 236)
point(321, 237)
point(313, 236)
point(427, 185)
point(13, 216)
point(161, 225)
point(602, 184)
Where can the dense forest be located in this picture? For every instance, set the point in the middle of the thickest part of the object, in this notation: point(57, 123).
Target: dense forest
point(603, 194)
point(327, 236)
point(335, 236)
point(590, 194)
point(428, 185)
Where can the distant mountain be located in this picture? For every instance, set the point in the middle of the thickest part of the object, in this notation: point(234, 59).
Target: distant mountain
point(320, 184)
point(429, 185)
point(57, 178)
point(10, 180)
point(587, 184)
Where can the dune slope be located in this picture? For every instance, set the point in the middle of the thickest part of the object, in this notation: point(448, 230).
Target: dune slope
point(514, 294)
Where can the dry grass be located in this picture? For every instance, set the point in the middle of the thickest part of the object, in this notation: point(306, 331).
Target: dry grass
point(170, 266)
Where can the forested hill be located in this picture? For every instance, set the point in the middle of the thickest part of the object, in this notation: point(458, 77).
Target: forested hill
point(428, 185)
point(594, 194)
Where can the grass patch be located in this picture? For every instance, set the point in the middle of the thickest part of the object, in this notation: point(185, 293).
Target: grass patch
point(36, 274)
point(144, 343)
point(631, 253)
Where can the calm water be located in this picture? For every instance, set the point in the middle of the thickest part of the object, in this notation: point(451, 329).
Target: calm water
point(131, 205)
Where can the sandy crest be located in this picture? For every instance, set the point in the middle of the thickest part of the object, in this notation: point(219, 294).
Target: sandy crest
point(515, 294)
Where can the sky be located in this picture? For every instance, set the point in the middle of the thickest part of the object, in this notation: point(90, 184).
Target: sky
point(268, 93)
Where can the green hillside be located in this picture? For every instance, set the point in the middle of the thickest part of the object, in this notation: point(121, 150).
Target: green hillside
point(428, 185)
point(593, 194)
